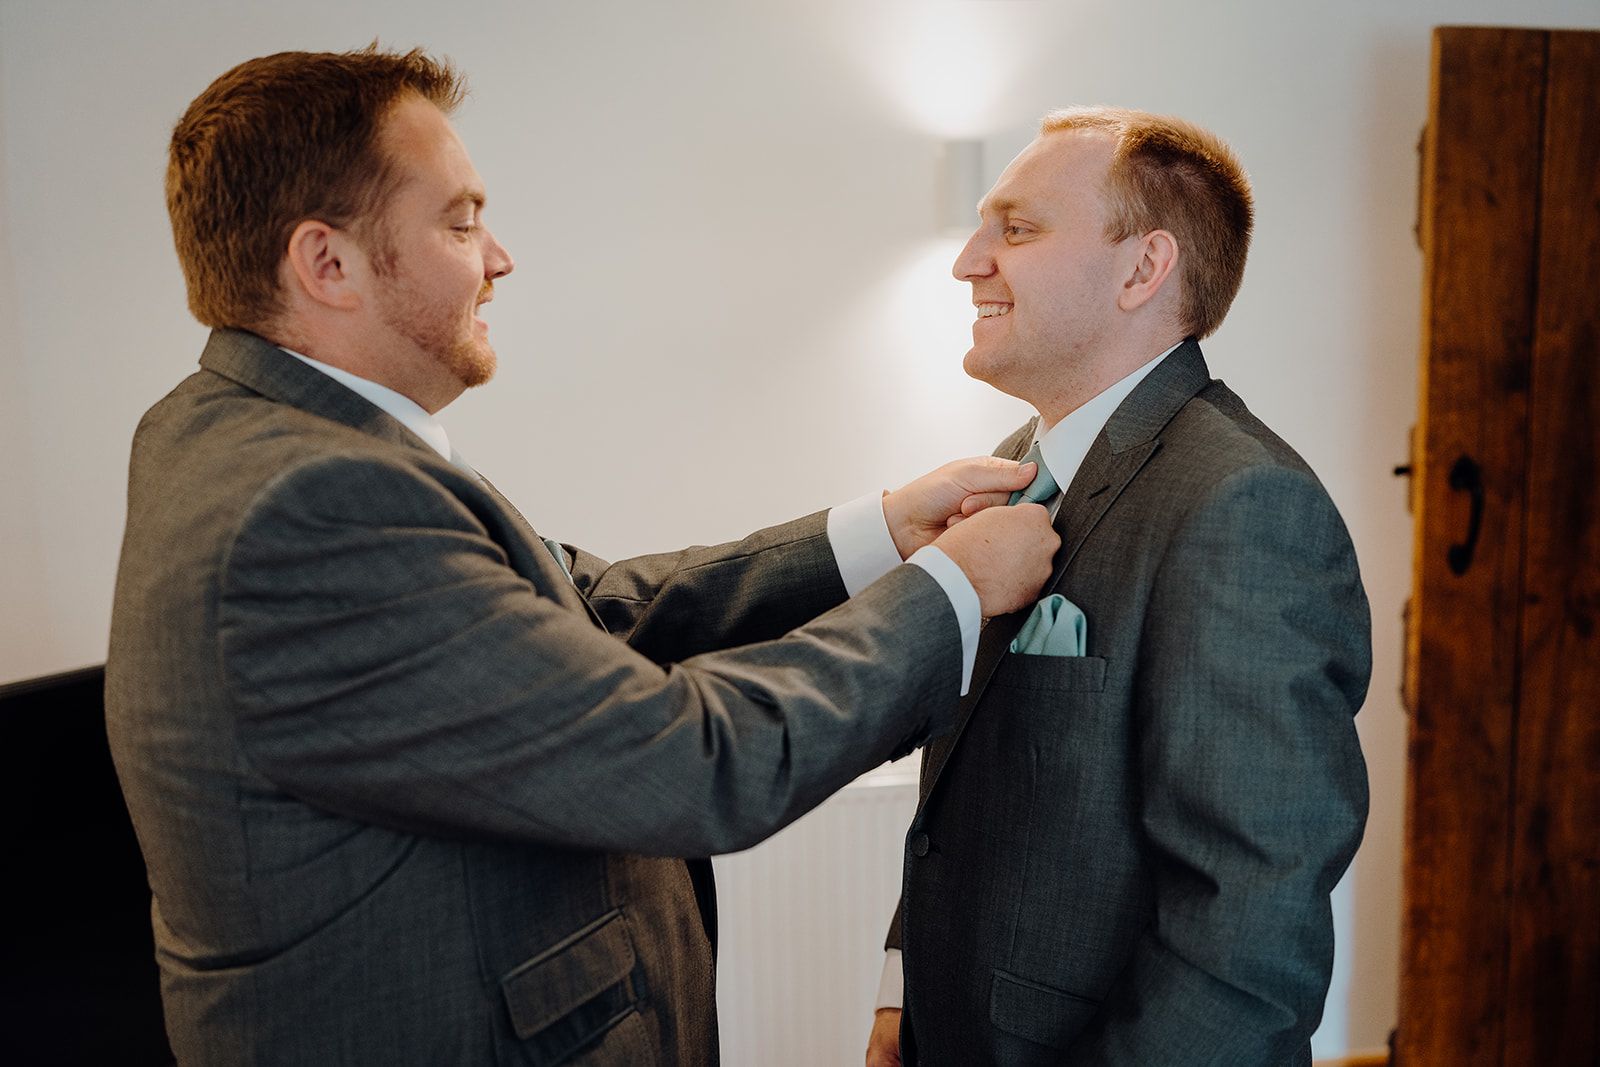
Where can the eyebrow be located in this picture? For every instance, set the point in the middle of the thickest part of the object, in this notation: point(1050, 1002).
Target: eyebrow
point(1002, 206)
point(466, 196)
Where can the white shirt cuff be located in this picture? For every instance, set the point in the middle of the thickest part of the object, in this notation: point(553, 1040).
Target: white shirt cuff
point(892, 986)
point(963, 598)
point(862, 545)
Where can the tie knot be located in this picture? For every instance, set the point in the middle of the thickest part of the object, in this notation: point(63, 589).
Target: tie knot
point(1043, 486)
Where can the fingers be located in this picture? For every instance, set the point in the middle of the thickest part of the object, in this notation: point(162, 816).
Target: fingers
point(1041, 518)
point(988, 474)
point(976, 502)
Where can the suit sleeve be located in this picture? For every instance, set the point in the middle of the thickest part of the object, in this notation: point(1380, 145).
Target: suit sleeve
point(673, 605)
point(1255, 657)
point(387, 664)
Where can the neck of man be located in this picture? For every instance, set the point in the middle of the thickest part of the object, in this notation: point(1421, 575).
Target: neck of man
point(1088, 375)
point(369, 354)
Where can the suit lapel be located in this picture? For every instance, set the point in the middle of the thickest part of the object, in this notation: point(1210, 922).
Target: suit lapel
point(1119, 453)
point(259, 365)
point(1100, 481)
point(540, 559)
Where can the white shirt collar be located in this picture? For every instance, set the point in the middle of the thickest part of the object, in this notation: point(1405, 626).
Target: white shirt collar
point(403, 408)
point(1066, 443)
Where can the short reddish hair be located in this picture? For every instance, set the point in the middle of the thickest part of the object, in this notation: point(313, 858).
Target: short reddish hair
point(273, 142)
point(1168, 174)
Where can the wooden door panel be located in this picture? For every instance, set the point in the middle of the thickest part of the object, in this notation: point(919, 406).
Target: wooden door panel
point(1553, 1007)
point(1480, 193)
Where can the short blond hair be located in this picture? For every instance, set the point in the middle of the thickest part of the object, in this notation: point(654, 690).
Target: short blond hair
point(1168, 174)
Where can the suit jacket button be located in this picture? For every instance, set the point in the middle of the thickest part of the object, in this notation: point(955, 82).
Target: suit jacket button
point(919, 844)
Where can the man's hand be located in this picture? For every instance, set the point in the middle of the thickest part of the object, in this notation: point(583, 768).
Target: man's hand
point(883, 1044)
point(921, 510)
point(1006, 553)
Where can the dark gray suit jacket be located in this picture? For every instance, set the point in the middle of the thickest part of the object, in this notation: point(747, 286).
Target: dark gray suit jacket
point(399, 792)
point(1126, 857)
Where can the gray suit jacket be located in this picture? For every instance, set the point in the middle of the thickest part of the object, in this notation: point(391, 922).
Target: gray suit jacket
point(1126, 857)
point(399, 792)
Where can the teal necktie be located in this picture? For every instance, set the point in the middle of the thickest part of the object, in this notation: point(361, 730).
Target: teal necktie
point(1043, 486)
point(1055, 627)
point(561, 557)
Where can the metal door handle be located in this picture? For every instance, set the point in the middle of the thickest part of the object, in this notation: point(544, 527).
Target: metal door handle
point(1466, 476)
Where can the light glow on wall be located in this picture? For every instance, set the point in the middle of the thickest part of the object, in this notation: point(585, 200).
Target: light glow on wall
point(946, 64)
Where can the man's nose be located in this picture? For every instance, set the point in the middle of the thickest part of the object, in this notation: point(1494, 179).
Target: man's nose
point(975, 261)
point(497, 262)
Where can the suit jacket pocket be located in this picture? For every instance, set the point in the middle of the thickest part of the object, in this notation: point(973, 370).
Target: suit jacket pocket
point(569, 995)
point(1036, 1012)
point(626, 1045)
point(1062, 674)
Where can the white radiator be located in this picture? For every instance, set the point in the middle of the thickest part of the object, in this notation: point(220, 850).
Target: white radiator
point(802, 918)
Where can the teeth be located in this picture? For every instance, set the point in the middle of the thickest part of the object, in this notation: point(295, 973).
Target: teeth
point(989, 311)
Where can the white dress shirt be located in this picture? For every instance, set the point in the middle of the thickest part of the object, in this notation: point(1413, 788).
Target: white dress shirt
point(858, 532)
point(864, 548)
point(1063, 446)
point(403, 408)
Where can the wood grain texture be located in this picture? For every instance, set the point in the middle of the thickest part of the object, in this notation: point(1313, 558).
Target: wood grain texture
point(1553, 1006)
point(1481, 188)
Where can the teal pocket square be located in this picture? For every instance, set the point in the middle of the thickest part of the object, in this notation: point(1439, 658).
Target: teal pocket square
point(1055, 628)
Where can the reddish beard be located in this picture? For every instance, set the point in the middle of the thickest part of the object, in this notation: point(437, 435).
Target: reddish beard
point(470, 359)
point(472, 362)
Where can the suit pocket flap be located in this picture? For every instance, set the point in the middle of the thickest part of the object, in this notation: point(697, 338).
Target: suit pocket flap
point(566, 976)
point(1037, 1012)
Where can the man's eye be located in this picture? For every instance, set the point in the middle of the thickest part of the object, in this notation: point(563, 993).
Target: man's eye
point(465, 227)
point(1014, 230)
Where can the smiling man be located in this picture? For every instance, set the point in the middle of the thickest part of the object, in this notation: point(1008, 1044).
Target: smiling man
point(1124, 853)
point(402, 797)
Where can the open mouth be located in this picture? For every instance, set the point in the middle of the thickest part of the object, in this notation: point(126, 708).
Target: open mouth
point(993, 311)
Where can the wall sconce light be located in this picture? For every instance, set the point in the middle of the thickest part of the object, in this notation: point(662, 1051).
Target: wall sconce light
point(960, 186)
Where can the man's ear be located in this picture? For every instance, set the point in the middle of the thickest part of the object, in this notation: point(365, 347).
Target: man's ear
point(325, 264)
point(1153, 259)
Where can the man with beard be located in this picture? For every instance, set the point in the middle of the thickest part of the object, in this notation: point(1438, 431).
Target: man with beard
point(398, 789)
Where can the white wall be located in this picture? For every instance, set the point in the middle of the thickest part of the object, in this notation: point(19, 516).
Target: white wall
point(729, 296)
point(26, 636)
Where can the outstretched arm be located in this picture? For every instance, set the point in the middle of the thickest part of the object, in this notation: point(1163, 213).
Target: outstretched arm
point(386, 664)
point(673, 605)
